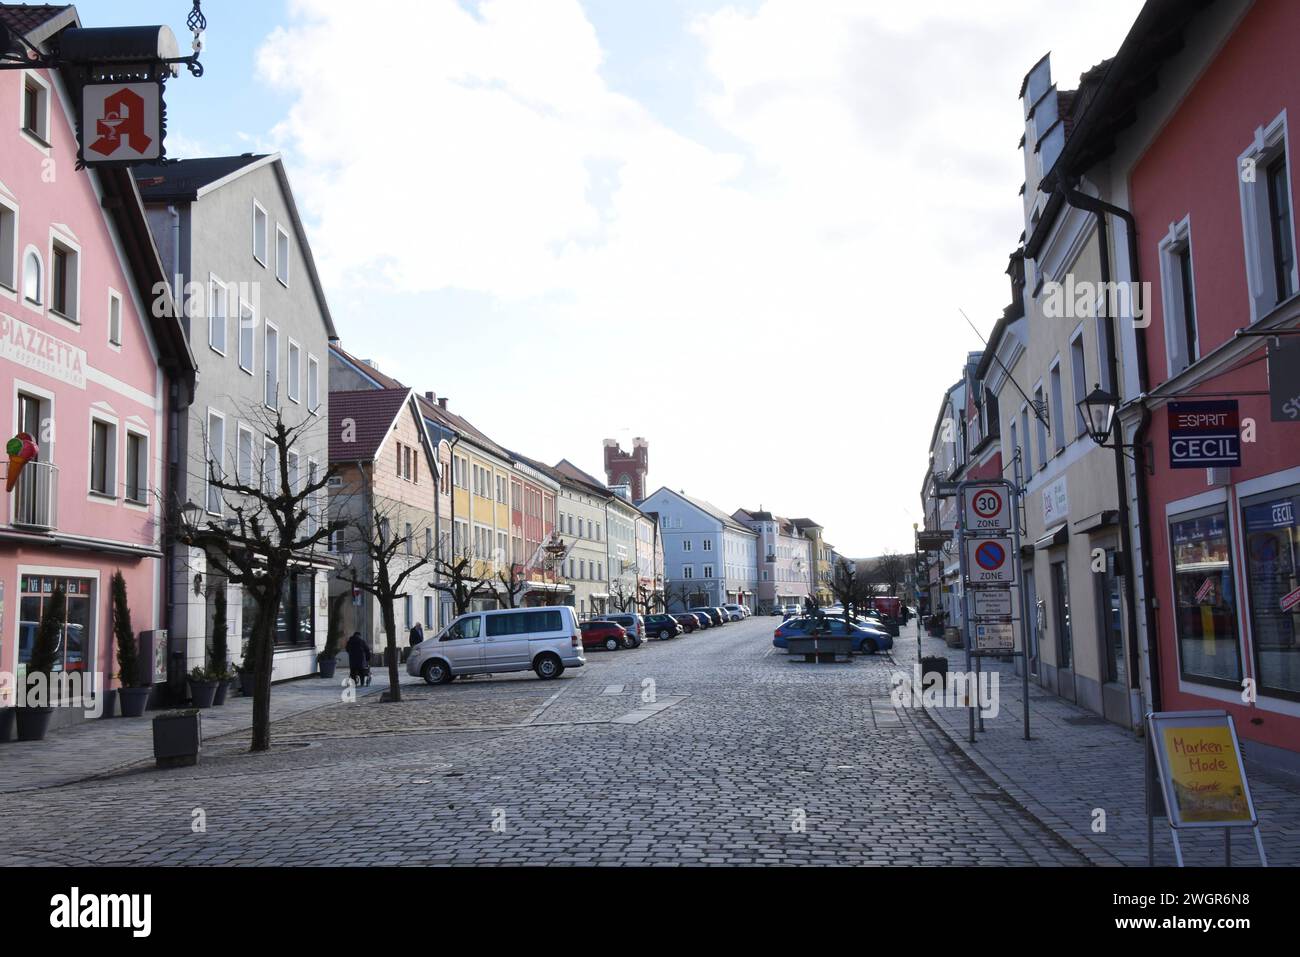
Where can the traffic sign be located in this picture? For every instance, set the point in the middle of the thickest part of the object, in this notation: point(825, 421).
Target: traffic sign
point(986, 510)
point(994, 636)
point(992, 603)
point(989, 561)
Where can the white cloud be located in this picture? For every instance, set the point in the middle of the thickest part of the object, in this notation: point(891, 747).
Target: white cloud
point(797, 289)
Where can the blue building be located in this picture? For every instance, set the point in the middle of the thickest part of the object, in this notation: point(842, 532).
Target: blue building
point(709, 557)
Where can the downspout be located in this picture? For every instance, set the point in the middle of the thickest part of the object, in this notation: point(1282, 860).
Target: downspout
point(1101, 209)
point(173, 455)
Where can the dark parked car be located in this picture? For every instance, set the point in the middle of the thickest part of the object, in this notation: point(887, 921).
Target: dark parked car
point(632, 623)
point(715, 616)
point(602, 634)
point(662, 627)
point(688, 622)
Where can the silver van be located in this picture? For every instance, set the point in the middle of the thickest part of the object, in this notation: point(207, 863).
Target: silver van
point(546, 640)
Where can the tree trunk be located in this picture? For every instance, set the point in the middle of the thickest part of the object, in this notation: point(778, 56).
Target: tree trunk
point(390, 628)
point(263, 639)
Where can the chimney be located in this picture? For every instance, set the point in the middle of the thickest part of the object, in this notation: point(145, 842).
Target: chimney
point(442, 402)
point(432, 397)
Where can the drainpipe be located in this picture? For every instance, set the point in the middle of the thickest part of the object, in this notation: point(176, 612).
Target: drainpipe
point(1101, 209)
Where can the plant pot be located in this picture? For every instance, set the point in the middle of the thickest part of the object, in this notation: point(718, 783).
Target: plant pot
point(934, 665)
point(33, 723)
point(327, 666)
point(202, 693)
point(222, 687)
point(110, 704)
point(246, 683)
point(133, 701)
point(177, 738)
point(6, 723)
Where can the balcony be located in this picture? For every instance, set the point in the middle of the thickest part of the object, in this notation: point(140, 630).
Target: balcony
point(34, 502)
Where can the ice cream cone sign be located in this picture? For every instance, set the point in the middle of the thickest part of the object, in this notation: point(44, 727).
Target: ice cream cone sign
point(22, 449)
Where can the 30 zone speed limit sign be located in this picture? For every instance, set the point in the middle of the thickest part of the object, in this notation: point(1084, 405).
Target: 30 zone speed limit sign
point(986, 509)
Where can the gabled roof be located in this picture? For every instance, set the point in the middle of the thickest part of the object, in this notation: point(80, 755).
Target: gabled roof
point(37, 22)
point(565, 467)
point(189, 180)
point(708, 508)
point(802, 523)
point(372, 413)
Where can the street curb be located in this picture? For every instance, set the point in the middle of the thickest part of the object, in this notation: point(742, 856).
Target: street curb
point(1030, 805)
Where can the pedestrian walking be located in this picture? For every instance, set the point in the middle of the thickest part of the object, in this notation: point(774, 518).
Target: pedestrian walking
point(358, 659)
point(417, 634)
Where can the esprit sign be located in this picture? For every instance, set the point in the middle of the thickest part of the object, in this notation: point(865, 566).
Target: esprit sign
point(41, 352)
point(121, 123)
point(1204, 434)
point(986, 510)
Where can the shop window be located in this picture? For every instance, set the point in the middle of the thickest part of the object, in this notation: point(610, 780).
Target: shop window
point(76, 644)
point(1205, 601)
point(1272, 579)
point(295, 624)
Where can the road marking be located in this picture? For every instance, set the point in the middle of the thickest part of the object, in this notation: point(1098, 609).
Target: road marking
point(649, 710)
point(613, 689)
point(537, 713)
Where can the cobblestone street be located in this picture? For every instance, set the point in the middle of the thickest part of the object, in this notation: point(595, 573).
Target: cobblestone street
point(743, 756)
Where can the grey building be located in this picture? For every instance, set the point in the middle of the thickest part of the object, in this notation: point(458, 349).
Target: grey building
point(709, 557)
point(229, 233)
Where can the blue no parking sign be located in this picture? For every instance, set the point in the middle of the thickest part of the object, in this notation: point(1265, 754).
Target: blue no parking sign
point(989, 561)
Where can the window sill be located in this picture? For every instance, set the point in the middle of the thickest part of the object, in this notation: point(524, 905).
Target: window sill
point(104, 497)
point(72, 320)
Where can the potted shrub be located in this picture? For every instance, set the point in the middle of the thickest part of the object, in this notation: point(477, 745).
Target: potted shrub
point(203, 687)
point(219, 663)
point(327, 660)
point(34, 719)
point(247, 676)
point(134, 693)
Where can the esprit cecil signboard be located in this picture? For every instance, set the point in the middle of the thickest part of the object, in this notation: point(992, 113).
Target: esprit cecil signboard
point(1204, 434)
point(1284, 380)
point(121, 123)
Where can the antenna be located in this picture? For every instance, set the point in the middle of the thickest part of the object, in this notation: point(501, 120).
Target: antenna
point(1039, 413)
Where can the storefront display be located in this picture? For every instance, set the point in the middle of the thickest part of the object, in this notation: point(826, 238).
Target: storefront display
point(1273, 579)
point(1205, 600)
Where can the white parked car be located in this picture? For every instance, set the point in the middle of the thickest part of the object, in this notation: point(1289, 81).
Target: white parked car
point(735, 612)
point(545, 640)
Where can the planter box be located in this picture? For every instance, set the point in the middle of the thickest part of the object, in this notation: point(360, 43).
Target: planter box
point(110, 703)
point(202, 693)
point(133, 701)
point(934, 665)
point(33, 723)
point(952, 636)
point(222, 687)
point(178, 738)
point(327, 667)
point(819, 649)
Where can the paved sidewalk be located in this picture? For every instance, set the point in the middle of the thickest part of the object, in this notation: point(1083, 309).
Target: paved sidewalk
point(1077, 763)
point(104, 745)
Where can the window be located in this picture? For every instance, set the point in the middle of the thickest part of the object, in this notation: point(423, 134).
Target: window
point(281, 255)
point(1025, 435)
point(137, 467)
point(270, 467)
point(1268, 223)
point(247, 328)
point(428, 612)
point(1058, 412)
point(218, 306)
point(708, 544)
point(315, 514)
point(33, 278)
point(103, 458)
point(36, 108)
point(686, 544)
point(708, 571)
point(244, 457)
point(114, 319)
point(1108, 621)
point(688, 571)
point(296, 623)
point(1014, 436)
point(409, 540)
point(8, 246)
point(63, 280)
point(76, 650)
point(295, 370)
point(1061, 603)
point(1042, 427)
point(313, 384)
point(1205, 603)
point(291, 461)
point(1078, 380)
point(1272, 565)
point(408, 606)
point(216, 452)
point(272, 349)
point(259, 233)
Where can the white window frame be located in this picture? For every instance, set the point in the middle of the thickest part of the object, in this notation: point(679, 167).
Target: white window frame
point(136, 432)
point(1056, 403)
point(270, 472)
point(280, 265)
point(251, 326)
point(688, 572)
point(39, 138)
point(1257, 232)
point(266, 238)
point(96, 416)
point(245, 476)
point(1179, 353)
point(215, 285)
point(115, 299)
point(1079, 378)
point(210, 455)
point(313, 384)
point(270, 366)
point(1040, 430)
point(11, 289)
point(72, 249)
point(293, 383)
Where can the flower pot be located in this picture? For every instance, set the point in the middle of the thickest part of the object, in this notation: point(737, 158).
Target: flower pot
point(222, 687)
point(133, 701)
point(934, 665)
point(246, 683)
point(327, 666)
point(110, 704)
point(33, 723)
point(177, 737)
point(202, 693)
point(6, 723)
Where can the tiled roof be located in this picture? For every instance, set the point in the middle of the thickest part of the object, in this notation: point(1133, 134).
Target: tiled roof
point(184, 178)
point(23, 19)
point(709, 509)
point(372, 412)
point(565, 467)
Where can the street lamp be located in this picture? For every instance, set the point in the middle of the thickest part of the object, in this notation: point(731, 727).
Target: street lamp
point(1098, 410)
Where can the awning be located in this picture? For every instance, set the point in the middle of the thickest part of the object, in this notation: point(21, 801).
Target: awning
point(1102, 519)
point(1057, 536)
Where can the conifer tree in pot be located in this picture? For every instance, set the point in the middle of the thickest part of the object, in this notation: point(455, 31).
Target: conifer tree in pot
point(36, 705)
point(327, 660)
point(219, 664)
point(134, 693)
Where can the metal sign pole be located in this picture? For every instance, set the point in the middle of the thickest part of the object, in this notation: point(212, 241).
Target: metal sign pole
point(965, 608)
point(1014, 495)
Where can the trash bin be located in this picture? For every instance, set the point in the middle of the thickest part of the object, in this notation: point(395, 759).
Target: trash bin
point(177, 738)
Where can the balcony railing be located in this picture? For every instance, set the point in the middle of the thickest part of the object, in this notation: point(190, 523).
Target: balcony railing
point(34, 502)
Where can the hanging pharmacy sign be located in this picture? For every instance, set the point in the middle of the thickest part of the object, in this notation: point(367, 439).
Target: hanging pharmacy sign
point(121, 123)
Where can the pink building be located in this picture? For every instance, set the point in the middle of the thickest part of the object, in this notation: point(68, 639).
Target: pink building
point(86, 368)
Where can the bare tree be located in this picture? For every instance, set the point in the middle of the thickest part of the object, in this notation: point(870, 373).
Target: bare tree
point(890, 570)
point(847, 585)
point(513, 582)
point(391, 560)
point(621, 594)
point(276, 523)
point(457, 579)
point(681, 593)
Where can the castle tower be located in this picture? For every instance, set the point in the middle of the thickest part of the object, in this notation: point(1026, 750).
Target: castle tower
point(624, 469)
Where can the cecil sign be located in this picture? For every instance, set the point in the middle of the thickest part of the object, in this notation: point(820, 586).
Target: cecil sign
point(121, 123)
point(1204, 435)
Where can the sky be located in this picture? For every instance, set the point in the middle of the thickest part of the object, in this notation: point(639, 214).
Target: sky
point(744, 230)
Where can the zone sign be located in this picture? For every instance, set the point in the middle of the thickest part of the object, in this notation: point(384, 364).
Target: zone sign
point(986, 509)
point(989, 561)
